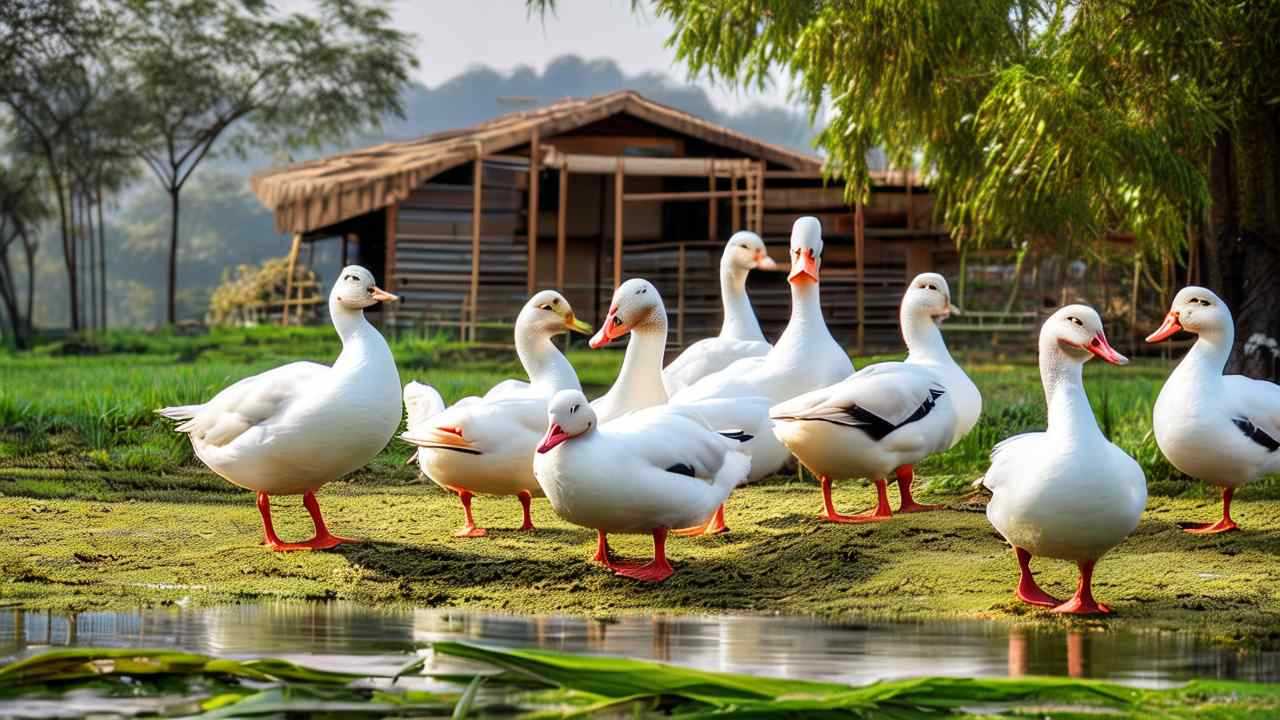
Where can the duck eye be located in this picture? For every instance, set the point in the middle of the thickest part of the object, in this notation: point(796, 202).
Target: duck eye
point(545, 307)
point(933, 287)
point(744, 246)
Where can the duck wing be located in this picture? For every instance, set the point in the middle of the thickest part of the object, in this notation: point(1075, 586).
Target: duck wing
point(706, 357)
point(666, 438)
point(1006, 459)
point(254, 401)
point(1257, 406)
point(481, 425)
point(877, 400)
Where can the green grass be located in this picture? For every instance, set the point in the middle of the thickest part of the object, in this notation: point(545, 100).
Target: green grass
point(547, 684)
point(104, 506)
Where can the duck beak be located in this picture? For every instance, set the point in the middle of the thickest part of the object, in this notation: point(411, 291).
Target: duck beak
point(1100, 347)
point(381, 295)
point(555, 435)
point(611, 329)
point(1168, 328)
point(806, 267)
point(574, 324)
point(764, 262)
point(953, 309)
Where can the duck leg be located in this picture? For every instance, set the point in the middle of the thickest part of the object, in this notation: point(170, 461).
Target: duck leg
point(1028, 591)
point(714, 526)
point(603, 555)
point(469, 528)
point(657, 570)
point(1226, 524)
point(879, 513)
point(1082, 603)
point(323, 539)
point(526, 502)
point(906, 474)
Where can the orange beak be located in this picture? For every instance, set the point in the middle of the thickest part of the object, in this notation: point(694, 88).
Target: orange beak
point(805, 266)
point(764, 262)
point(1100, 347)
point(611, 329)
point(1167, 329)
point(382, 295)
point(555, 435)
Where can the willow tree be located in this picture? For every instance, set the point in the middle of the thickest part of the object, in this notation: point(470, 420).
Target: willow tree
point(1062, 119)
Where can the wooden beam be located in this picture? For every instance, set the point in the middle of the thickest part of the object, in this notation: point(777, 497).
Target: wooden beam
point(681, 265)
point(713, 221)
point(477, 195)
point(389, 279)
point(859, 257)
point(735, 223)
point(619, 177)
point(689, 195)
point(670, 167)
point(288, 279)
point(535, 167)
point(561, 229)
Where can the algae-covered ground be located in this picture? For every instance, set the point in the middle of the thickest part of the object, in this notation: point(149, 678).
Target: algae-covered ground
point(103, 506)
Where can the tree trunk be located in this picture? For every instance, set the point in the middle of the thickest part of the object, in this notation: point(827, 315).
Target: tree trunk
point(29, 250)
point(172, 313)
point(102, 260)
point(68, 251)
point(1243, 263)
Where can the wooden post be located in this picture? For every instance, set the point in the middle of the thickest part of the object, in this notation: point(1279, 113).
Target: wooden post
point(760, 197)
point(535, 169)
point(389, 282)
point(680, 276)
point(617, 223)
point(561, 226)
point(859, 278)
point(477, 189)
point(735, 224)
point(345, 238)
point(911, 220)
point(288, 279)
point(712, 210)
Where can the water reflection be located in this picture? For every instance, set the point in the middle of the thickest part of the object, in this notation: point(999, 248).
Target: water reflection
point(347, 636)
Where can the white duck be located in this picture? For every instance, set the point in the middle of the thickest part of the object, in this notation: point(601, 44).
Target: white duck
point(926, 303)
point(1067, 492)
point(1222, 429)
point(637, 309)
point(485, 445)
point(649, 472)
point(740, 335)
point(885, 417)
point(290, 430)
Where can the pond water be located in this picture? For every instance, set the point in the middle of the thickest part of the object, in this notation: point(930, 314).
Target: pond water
point(344, 636)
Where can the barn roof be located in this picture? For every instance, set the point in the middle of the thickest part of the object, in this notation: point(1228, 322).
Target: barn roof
point(315, 194)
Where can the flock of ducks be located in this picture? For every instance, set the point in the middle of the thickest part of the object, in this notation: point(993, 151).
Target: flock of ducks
point(664, 448)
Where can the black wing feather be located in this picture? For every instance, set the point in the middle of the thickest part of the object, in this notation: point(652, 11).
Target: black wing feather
point(1256, 434)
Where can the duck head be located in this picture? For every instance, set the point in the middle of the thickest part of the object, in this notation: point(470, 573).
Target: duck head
point(548, 314)
point(568, 416)
point(635, 303)
point(1077, 332)
point(806, 250)
point(356, 290)
point(929, 295)
point(745, 252)
point(1196, 310)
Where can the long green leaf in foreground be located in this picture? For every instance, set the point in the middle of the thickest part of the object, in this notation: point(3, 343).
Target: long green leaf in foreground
point(544, 684)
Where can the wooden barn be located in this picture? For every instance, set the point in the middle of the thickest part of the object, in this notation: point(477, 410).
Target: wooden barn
point(584, 193)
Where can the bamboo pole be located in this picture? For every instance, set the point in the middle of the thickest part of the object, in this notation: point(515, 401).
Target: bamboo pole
point(477, 199)
point(618, 177)
point(288, 279)
point(690, 195)
point(681, 265)
point(859, 240)
point(535, 169)
point(561, 226)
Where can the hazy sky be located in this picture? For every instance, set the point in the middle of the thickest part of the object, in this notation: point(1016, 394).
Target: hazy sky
point(454, 34)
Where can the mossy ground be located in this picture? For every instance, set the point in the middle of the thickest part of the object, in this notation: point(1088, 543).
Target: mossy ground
point(102, 506)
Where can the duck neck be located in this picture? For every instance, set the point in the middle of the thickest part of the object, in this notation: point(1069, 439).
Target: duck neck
point(740, 321)
point(1207, 358)
point(1070, 414)
point(549, 370)
point(639, 382)
point(361, 341)
point(923, 337)
point(806, 314)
